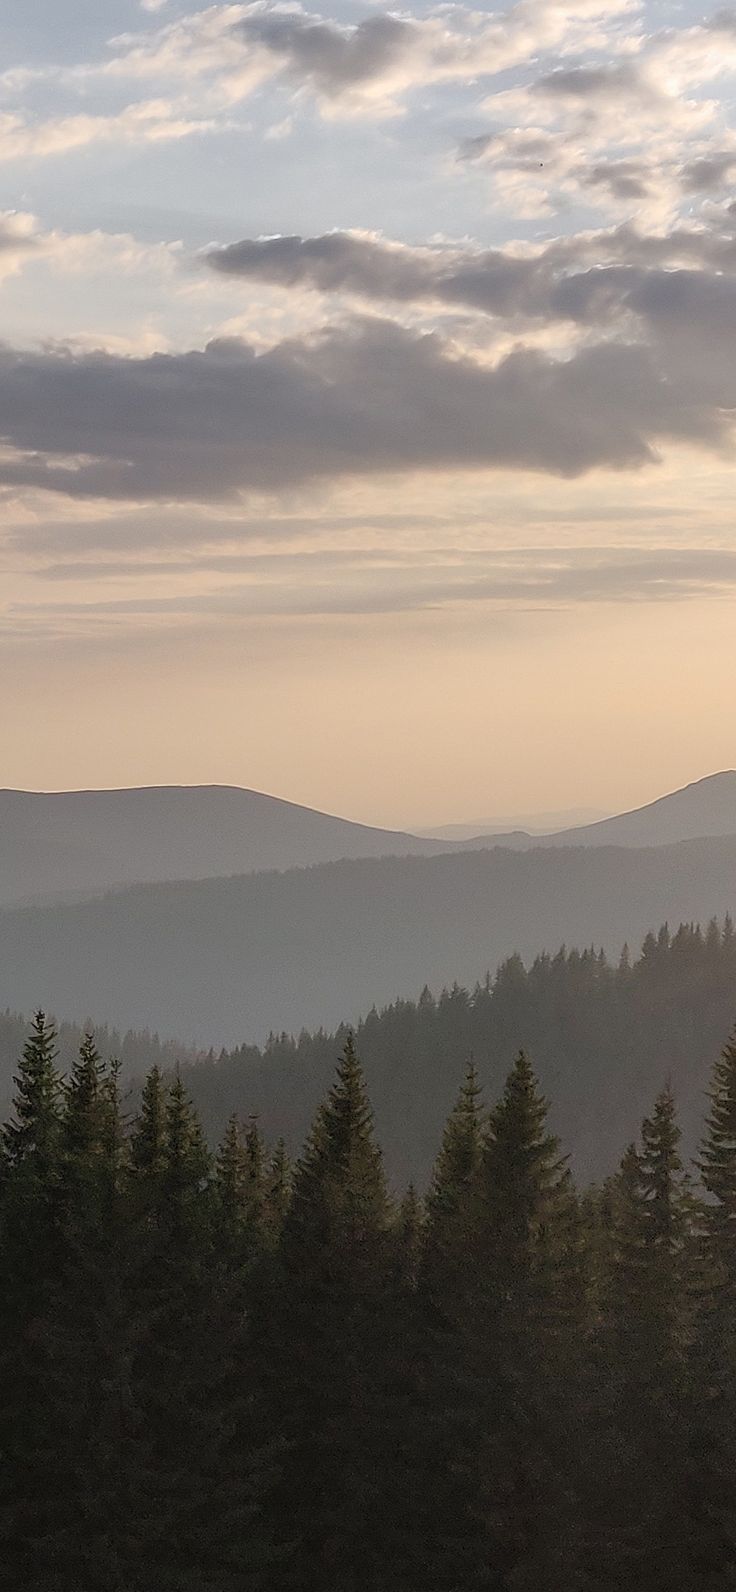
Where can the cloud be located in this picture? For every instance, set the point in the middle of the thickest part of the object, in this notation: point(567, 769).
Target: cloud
point(591, 278)
point(363, 68)
point(149, 121)
point(326, 583)
point(19, 240)
point(358, 400)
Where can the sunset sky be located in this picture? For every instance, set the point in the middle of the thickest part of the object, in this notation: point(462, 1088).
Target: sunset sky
point(367, 391)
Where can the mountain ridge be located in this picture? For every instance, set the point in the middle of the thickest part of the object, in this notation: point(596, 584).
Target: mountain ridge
point(220, 961)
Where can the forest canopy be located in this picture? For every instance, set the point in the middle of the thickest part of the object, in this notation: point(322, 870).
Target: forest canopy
point(229, 1371)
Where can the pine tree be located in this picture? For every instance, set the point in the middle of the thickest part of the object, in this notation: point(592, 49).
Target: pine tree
point(718, 1171)
point(242, 1193)
point(713, 1415)
point(31, 1138)
point(278, 1191)
point(527, 1474)
point(410, 1237)
point(324, 1355)
point(454, 1202)
point(646, 1324)
point(32, 1415)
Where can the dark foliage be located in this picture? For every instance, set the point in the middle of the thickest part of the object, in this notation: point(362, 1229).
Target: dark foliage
point(222, 1373)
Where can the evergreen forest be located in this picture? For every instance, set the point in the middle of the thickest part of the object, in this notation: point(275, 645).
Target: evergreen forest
point(233, 1370)
point(604, 1035)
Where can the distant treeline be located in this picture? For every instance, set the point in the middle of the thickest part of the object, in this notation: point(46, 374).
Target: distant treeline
point(223, 1373)
point(605, 1038)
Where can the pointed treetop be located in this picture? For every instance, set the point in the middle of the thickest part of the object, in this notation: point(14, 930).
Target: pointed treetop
point(148, 1142)
point(339, 1193)
point(718, 1156)
point(32, 1135)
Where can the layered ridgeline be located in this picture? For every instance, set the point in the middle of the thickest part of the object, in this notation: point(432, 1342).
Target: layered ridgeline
point(604, 1035)
point(84, 842)
point(706, 807)
point(219, 962)
point(225, 1373)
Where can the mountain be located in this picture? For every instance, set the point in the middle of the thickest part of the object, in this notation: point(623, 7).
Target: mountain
point(705, 808)
point(84, 842)
point(603, 1036)
point(226, 960)
point(531, 825)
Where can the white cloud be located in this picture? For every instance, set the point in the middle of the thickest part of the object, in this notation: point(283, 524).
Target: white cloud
point(149, 121)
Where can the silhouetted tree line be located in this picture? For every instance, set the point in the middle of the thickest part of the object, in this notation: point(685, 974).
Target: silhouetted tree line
point(603, 1037)
point(227, 1372)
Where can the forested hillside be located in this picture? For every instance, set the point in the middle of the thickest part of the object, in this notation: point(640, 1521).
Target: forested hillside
point(223, 961)
point(605, 1035)
point(228, 1374)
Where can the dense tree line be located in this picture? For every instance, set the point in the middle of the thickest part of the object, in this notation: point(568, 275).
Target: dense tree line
point(136, 1049)
point(603, 1037)
point(225, 1371)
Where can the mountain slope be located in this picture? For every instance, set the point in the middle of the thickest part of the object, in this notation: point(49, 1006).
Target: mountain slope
point(223, 961)
point(89, 841)
point(705, 808)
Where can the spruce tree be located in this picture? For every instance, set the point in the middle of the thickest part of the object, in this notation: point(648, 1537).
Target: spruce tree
point(32, 1418)
point(646, 1326)
point(324, 1356)
point(527, 1389)
point(454, 1202)
point(713, 1419)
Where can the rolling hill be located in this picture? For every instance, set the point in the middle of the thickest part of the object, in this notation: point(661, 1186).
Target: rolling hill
point(226, 960)
point(705, 808)
point(85, 842)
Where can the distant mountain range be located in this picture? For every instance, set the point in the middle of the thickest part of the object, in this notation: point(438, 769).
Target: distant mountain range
point(85, 842)
point(82, 843)
point(707, 807)
point(220, 961)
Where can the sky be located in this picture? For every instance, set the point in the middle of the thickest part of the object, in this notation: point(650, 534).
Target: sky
point(367, 395)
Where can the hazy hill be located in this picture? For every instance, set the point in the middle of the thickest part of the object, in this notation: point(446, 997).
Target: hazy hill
point(707, 807)
point(603, 1036)
point(88, 841)
point(226, 960)
point(81, 843)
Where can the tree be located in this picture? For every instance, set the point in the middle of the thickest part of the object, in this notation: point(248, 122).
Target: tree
point(325, 1352)
point(454, 1201)
point(526, 1391)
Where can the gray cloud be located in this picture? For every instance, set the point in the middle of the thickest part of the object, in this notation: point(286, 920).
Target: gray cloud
point(329, 582)
point(328, 57)
point(587, 279)
point(709, 171)
point(365, 398)
point(590, 82)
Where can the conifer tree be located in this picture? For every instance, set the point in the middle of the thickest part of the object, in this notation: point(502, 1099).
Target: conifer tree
point(646, 1325)
point(278, 1190)
point(32, 1416)
point(31, 1138)
point(526, 1478)
point(718, 1172)
point(713, 1417)
point(410, 1237)
point(454, 1199)
point(324, 1358)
